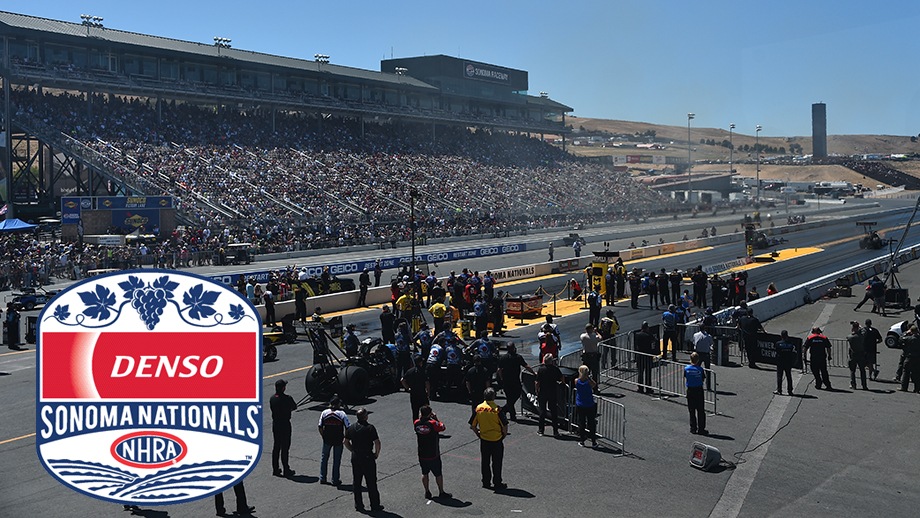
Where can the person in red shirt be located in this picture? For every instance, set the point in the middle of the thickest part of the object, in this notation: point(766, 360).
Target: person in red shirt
point(427, 428)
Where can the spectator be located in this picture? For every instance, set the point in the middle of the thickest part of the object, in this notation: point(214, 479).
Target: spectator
point(427, 431)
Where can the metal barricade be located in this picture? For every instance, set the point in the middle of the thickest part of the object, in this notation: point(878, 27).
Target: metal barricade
point(840, 349)
point(610, 424)
point(621, 366)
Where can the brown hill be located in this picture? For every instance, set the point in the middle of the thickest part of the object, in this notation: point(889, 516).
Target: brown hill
point(836, 144)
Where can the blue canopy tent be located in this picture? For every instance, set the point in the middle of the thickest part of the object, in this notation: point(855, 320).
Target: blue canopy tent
point(15, 225)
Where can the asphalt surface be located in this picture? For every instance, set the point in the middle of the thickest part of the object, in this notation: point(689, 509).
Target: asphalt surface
point(823, 453)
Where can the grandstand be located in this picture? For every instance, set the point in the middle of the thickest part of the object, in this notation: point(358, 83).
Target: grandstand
point(286, 152)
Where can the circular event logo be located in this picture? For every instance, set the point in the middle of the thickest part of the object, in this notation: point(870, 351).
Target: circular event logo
point(149, 387)
point(470, 70)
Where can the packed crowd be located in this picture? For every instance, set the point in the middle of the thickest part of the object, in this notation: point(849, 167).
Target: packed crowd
point(314, 182)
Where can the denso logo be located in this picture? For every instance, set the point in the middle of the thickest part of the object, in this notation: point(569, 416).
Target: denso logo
point(488, 251)
point(506, 249)
point(149, 450)
point(149, 387)
point(169, 367)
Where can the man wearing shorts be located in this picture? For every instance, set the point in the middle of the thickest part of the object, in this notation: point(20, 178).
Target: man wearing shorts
point(427, 428)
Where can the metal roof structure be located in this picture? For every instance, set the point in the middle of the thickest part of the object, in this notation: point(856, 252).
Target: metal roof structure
point(13, 22)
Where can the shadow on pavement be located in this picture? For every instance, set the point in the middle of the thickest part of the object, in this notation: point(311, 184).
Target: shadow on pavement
point(803, 396)
point(516, 493)
point(304, 479)
point(451, 502)
point(720, 437)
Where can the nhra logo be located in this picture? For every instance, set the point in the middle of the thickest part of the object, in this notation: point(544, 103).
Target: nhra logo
point(149, 387)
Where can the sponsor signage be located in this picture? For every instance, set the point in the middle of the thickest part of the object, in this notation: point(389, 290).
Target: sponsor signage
point(149, 387)
point(71, 207)
point(134, 202)
point(132, 219)
point(765, 352)
point(510, 274)
point(484, 72)
point(727, 265)
point(386, 263)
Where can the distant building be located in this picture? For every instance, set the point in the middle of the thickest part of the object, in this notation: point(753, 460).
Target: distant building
point(819, 130)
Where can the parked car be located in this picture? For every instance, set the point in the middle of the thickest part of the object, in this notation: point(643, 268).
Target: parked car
point(29, 298)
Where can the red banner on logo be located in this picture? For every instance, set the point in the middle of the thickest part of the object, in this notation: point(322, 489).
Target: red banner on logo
point(148, 366)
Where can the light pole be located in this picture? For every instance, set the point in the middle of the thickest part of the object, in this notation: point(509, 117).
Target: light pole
point(221, 43)
point(690, 117)
point(731, 149)
point(413, 193)
point(91, 21)
point(757, 150)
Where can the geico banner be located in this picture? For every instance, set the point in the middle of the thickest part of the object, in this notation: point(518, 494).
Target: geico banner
point(386, 263)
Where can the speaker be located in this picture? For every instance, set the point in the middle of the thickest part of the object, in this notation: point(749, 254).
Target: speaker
point(704, 457)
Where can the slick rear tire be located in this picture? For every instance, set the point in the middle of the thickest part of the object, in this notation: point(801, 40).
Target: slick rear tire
point(354, 384)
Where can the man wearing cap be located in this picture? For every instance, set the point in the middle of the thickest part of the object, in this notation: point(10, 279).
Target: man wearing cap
point(669, 320)
point(820, 348)
point(548, 378)
point(387, 325)
point(785, 359)
point(590, 352)
point(364, 282)
point(332, 425)
point(362, 441)
point(281, 405)
point(378, 271)
point(872, 339)
point(350, 341)
point(491, 426)
point(702, 345)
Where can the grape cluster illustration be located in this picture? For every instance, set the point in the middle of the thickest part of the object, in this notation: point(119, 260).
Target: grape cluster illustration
point(150, 299)
point(149, 303)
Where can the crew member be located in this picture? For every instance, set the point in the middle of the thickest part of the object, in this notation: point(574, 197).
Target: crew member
point(332, 425)
point(548, 378)
point(820, 349)
point(696, 403)
point(427, 430)
point(645, 348)
point(509, 374)
point(490, 425)
point(362, 441)
point(785, 359)
point(415, 381)
point(281, 406)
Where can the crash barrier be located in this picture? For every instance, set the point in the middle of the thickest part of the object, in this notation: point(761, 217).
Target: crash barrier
point(766, 308)
point(693, 244)
point(610, 426)
point(620, 364)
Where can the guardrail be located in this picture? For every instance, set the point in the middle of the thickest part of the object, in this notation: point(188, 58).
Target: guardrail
point(610, 422)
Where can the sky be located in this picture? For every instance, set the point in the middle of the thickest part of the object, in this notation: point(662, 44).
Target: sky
point(740, 62)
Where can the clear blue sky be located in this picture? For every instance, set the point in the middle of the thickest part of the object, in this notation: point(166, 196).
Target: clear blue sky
point(727, 61)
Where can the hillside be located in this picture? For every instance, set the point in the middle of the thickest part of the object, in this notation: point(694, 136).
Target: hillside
point(836, 144)
point(674, 140)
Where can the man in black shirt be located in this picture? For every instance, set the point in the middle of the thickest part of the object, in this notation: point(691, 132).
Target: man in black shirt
point(388, 325)
point(644, 343)
point(509, 373)
point(820, 348)
point(476, 380)
point(415, 381)
point(427, 428)
point(548, 378)
point(281, 405)
point(785, 359)
point(749, 325)
point(364, 281)
point(362, 441)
